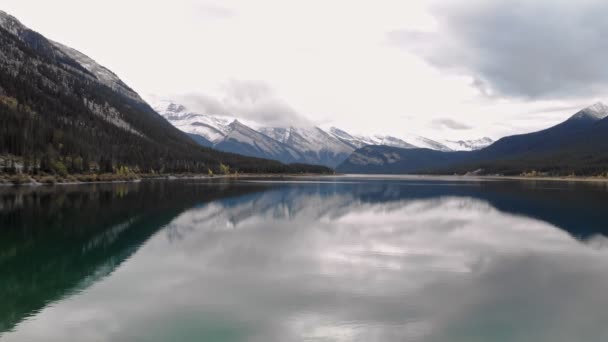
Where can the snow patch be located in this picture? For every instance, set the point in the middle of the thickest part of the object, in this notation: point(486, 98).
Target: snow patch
point(468, 145)
point(103, 75)
point(111, 115)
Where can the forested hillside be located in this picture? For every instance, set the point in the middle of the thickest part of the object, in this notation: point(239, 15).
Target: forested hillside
point(56, 116)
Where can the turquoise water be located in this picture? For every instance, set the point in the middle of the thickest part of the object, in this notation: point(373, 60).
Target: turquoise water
point(332, 259)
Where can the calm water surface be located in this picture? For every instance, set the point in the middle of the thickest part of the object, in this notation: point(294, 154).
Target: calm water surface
point(344, 259)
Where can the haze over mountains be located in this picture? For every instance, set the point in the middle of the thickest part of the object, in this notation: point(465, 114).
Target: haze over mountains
point(312, 145)
point(578, 145)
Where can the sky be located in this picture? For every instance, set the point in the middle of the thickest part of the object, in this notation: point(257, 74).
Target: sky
point(451, 69)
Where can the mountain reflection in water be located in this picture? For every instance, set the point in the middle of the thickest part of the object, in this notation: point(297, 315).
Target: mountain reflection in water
point(350, 259)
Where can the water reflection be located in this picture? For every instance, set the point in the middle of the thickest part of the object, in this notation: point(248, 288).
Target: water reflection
point(57, 241)
point(348, 261)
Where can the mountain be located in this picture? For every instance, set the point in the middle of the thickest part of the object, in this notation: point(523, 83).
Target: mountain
point(200, 140)
point(309, 145)
point(62, 112)
point(393, 160)
point(358, 141)
point(422, 142)
point(549, 139)
point(468, 145)
point(312, 145)
point(227, 134)
point(244, 140)
point(407, 141)
point(578, 145)
point(212, 128)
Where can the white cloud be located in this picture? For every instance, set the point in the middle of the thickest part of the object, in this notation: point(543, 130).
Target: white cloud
point(250, 100)
point(544, 49)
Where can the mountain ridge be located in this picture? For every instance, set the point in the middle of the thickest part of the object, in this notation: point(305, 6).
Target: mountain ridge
point(313, 145)
point(577, 145)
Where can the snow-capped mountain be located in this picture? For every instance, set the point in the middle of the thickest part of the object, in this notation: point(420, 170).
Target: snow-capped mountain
point(242, 139)
point(314, 144)
point(210, 127)
point(574, 144)
point(468, 145)
point(102, 74)
point(311, 145)
point(407, 141)
point(288, 145)
point(387, 140)
point(64, 53)
point(358, 141)
point(423, 142)
point(94, 117)
point(594, 112)
point(347, 138)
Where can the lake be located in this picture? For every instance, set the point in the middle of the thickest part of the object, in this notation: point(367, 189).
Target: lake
point(305, 259)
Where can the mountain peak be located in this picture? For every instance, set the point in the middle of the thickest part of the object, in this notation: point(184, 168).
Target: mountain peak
point(168, 107)
point(66, 56)
point(237, 124)
point(468, 145)
point(10, 23)
point(599, 108)
point(5, 16)
point(596, 111)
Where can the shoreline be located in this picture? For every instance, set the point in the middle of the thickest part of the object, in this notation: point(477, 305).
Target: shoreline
point(580, 179)
point(115, 179)
point(585, 179)
point(29, 181)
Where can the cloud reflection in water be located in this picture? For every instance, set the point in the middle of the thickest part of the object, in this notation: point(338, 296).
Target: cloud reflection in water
point(292, 266)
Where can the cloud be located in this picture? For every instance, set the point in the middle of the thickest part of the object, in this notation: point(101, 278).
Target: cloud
point(449, 124)
point(205, 104)
point(214, 11)
point(250, 100)
point(543, 49)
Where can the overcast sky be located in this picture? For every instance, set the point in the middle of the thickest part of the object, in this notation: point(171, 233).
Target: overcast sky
point(442, 69)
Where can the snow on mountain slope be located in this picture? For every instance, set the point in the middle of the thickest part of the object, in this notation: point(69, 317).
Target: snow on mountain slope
point(103, 75)
point(314, 139)
point(594, 112)
point(242, 139)
point(468, 145)
point(387, 140)
point(100, 73)
point(407, 141)
point(423, 142)
point(227, 134)
point(212, 128)
point(276, 133)
point(11, 24)
point(311, 145)
point(60, 58)
point(347, 138)
point(315, 145)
